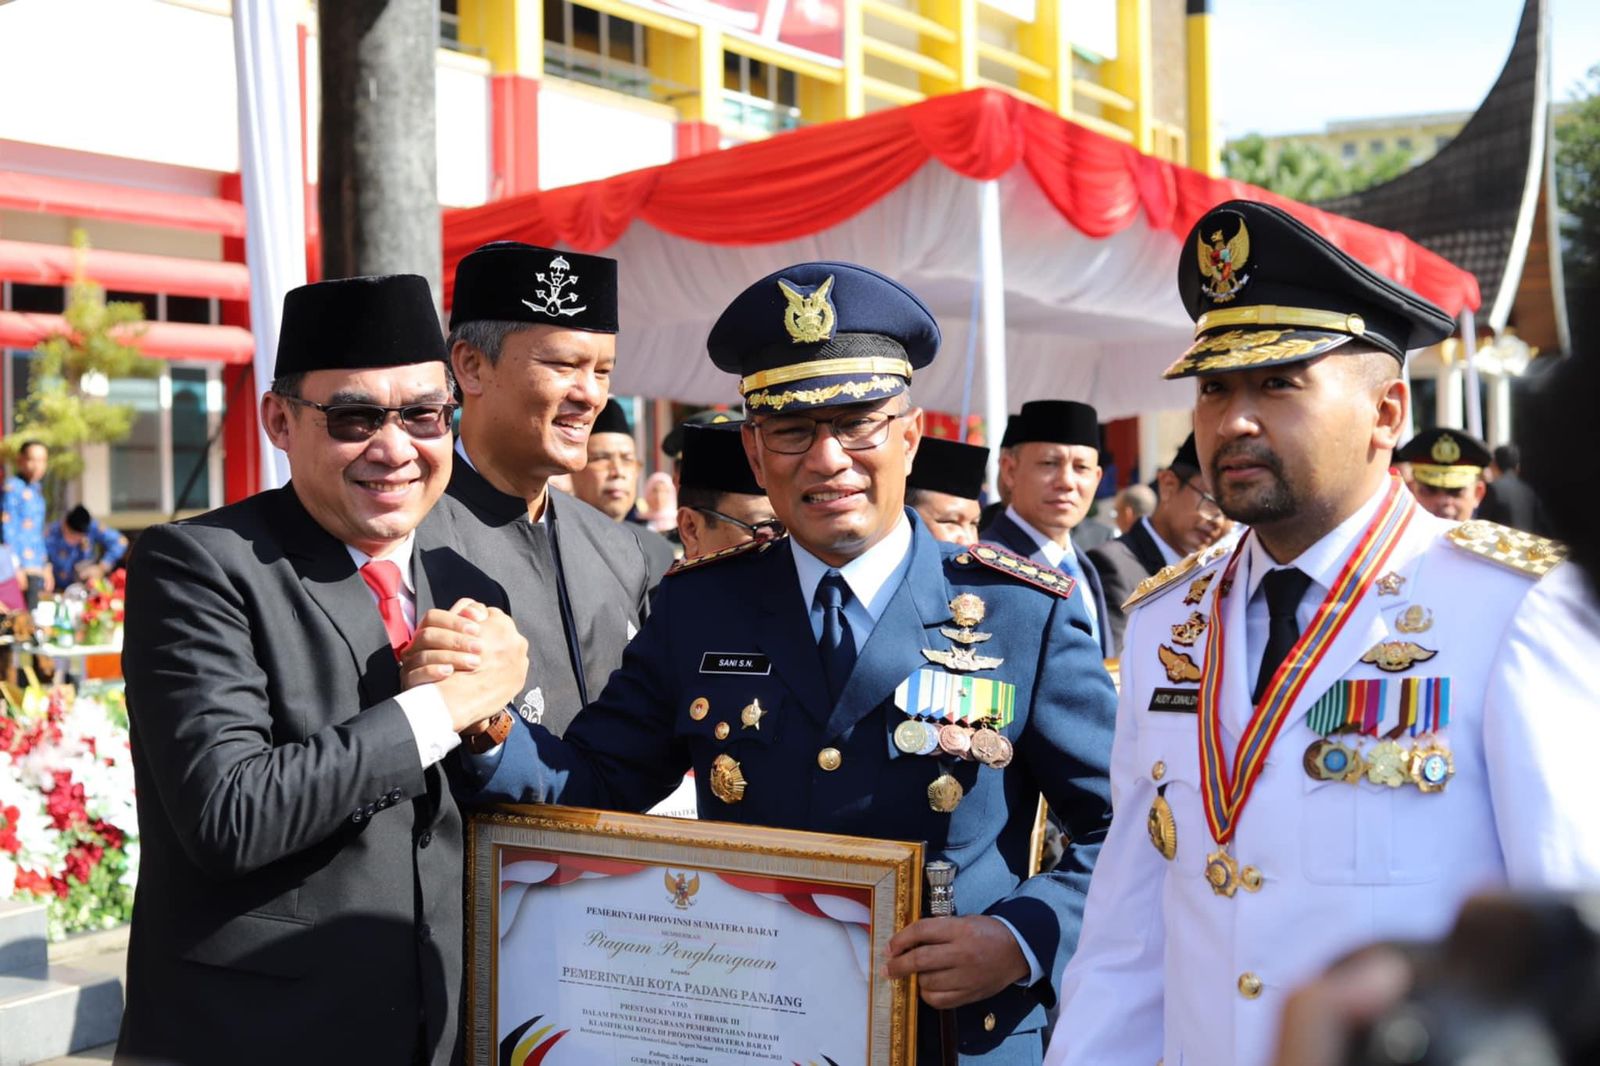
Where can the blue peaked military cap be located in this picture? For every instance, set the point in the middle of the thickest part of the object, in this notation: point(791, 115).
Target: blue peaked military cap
point(823, 334)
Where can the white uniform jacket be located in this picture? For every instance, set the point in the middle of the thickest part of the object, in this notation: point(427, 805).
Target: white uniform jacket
point(1168, 970)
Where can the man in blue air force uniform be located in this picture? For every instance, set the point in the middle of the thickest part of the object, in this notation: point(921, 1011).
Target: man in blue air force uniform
point(860, 677)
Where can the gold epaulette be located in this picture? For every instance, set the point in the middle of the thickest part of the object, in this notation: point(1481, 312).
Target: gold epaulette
point(1525, 553)
point(1169, 575)
point(717, 556)
point(1025, 570)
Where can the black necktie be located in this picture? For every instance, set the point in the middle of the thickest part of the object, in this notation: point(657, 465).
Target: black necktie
point(1285, 589)
point(838, 645)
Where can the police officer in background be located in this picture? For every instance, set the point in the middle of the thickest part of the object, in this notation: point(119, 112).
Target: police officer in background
point(848, 630)
point(532, 343)
point(1446, 471)
point(1358, 768)
point(1053, 468)
point(945, 483)
point(720, 503)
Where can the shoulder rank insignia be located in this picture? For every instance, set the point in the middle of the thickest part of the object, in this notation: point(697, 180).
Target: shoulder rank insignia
point(717, 556)
point(1169, 575)
point(1511, 548)
point(1025, 570)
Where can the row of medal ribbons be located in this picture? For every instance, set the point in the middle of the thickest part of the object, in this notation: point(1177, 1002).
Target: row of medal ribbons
point(957, 716)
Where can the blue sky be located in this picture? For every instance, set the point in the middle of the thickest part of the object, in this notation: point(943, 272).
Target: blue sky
point(1285, 66)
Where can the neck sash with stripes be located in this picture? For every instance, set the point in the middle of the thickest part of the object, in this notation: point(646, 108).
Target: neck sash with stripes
point(1224, 794)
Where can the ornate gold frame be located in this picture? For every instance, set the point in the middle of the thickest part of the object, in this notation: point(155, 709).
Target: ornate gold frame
point(892, 870)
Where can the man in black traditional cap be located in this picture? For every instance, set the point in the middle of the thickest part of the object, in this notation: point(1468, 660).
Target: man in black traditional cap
point(811, 682)
point(1446, 471)
point(1053, 467)
point(533, 343)
point(300, 898)
point(720, 503)
point(609, 482)
point(1186, 518)
point(945, 483)
point(1356, 769)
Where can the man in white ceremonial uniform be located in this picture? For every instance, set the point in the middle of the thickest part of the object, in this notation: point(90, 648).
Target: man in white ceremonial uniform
point(1349, 779)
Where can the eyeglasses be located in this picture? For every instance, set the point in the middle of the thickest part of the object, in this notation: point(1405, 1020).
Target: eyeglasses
point(1209, 507)
point(771, 529)
point(357, 422)
point(795, 434)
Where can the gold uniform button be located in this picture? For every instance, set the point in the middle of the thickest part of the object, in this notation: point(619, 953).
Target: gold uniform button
point(988, 1023)
point(721, 732)
point(1158, 771)
point(1250, 878)
point(829, 758)
point(699, 708)
point(1249, 985)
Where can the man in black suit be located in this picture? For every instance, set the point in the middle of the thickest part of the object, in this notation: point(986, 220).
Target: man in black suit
point(301, 890)
point(532, 343)
point(1185, 520)
point(1509, 500)
point(1053, 467)
point(609, 482)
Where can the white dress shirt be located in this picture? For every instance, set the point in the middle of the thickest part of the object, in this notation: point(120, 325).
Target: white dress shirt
point(1054, 555)
point(423, 706)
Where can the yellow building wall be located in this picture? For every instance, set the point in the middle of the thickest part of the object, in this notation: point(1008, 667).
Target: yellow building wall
point(1150, 94)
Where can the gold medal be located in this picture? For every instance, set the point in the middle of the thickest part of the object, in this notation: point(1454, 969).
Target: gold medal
point(727, 780)
point(750, 717)
point(1430, 768)
point(945, 793)
point(1414, 619)
point(986, 746)
point(1225, 877)
point(1386, 765)
point(1163, 827)
point(908, 736)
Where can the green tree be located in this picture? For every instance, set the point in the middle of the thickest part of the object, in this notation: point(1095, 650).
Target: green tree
point(1306, 172)
point(97, 345)
point(1578, 184)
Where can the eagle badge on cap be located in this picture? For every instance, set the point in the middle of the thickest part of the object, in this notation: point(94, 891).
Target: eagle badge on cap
point(1445, 450)
point(809, 317)
point(553, 301)
point(1222, 264)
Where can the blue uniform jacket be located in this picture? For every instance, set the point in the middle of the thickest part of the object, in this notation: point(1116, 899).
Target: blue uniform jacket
point(1007, 534)
point(630, 748)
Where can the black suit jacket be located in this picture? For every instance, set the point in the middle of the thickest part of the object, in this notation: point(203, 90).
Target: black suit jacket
point(578, 584)
point(1512, 502)
point(1007, 534)
point(300, 891)
point(1122, 564)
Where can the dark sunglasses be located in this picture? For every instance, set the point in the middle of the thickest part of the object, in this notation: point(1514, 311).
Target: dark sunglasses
point(356, 422)
point(771, 529)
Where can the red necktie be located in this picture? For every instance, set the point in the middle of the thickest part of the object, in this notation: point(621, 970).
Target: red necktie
point(383, 578)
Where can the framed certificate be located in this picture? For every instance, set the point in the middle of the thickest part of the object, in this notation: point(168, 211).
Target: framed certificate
point(598, 937)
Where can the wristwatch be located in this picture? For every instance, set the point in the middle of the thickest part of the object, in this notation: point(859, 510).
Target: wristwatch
point(498, 728)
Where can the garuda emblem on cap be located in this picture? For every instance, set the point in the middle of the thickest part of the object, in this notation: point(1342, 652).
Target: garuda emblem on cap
point(1222, 264)
point(809, 317)
point(1445, 450)
point(552, 300)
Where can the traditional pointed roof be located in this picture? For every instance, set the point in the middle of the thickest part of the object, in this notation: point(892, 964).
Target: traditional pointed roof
point(1483, 201)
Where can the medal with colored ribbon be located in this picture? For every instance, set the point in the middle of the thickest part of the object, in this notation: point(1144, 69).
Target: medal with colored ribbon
point(1224, 793)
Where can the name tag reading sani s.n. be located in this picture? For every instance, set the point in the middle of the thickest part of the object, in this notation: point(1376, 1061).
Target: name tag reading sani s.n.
point(735, 662)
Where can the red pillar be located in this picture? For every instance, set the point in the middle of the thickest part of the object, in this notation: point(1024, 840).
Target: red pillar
point(241, 431)
point(514, 136)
